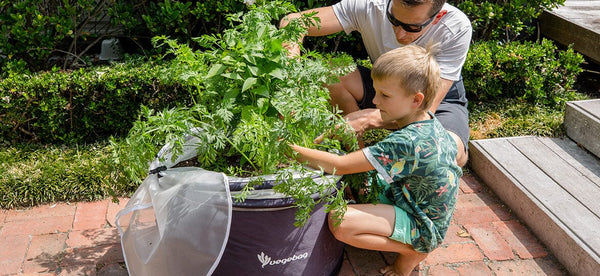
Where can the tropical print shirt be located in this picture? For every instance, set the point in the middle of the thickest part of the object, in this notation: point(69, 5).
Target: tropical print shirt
point(417, 170)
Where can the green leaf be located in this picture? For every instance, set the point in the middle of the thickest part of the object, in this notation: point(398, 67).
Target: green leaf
point(262, 91)
point(278, 73)
point(216, 69)
point(248, 83)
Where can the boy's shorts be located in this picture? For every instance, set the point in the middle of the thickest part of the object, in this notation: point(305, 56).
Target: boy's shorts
point(452, 111)
point(402, 228)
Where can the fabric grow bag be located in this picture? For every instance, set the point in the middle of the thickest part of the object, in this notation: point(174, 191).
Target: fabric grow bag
point(183, 221)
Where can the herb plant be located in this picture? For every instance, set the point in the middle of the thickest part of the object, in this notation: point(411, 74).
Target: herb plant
point(250, 101)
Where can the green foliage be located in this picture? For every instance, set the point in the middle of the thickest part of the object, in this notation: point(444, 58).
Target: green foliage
point(250, 101)
point(44, 174)
point(84, 105)
point(534, 72)
point(504, 20)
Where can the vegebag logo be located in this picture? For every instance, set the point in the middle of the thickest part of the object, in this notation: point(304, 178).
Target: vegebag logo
point(266, 260)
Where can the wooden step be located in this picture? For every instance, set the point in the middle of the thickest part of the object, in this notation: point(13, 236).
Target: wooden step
point(553, 186)
point(576, 22)
point(582, 123)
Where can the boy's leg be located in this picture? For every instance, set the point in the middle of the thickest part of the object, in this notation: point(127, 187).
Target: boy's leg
point(369, 226)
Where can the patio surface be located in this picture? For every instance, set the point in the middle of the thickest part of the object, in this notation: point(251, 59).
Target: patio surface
point(80, 239)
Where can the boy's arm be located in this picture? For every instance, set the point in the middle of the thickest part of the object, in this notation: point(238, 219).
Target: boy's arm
point(353, 162)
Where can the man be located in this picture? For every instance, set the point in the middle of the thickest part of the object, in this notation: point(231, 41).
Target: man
point(388, 24)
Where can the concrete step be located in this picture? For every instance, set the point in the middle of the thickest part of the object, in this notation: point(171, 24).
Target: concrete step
point(582, 123)
point(553, 186)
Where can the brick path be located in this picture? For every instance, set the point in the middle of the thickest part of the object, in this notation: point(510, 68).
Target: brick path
point(80, 239)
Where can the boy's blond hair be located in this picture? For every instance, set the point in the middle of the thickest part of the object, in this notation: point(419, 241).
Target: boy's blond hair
point(414, 68)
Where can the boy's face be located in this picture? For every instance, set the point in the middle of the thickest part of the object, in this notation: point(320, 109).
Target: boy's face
point(394, 103)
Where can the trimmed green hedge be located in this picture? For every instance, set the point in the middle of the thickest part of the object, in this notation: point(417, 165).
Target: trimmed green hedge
point(529, 71)
point(84, 105)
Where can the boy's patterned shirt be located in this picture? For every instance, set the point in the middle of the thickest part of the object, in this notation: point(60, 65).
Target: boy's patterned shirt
point(416, 165)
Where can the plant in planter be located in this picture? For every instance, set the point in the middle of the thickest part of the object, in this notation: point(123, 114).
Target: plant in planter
point(251, 100)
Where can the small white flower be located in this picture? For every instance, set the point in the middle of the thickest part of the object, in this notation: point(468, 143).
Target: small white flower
point(249, 2)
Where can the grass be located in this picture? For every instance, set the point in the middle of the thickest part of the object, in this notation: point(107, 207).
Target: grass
point(36, 174)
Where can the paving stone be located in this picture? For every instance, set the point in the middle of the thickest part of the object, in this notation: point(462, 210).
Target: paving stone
point(88, 270)
point(520, 239)
point(474, 269)
point(44, 253)
point(113, 209)
point(93, 237)
point(90, 215)
point(456, 234)
point(490, 241)
point(464, 216)
point(522, 267)
point(470, 185)
point(101, 254)
point(45, 225)
point(441, 270)
point(454, 253)
point(41, 212)
point(113, 269)
point(12, 251)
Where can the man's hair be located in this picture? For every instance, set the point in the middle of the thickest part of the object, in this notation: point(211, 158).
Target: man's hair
point(436, 5)
point(414, 68)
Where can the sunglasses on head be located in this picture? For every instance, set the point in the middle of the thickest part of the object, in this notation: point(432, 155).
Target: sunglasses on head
point(411, 28)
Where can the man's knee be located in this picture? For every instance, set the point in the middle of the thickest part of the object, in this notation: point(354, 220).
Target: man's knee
point(461, 155)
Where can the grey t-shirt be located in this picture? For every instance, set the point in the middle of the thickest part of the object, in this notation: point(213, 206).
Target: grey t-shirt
point(368, 17)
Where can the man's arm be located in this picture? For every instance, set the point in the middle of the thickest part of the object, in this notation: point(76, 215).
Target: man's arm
point(329, 25)
point(353, 162)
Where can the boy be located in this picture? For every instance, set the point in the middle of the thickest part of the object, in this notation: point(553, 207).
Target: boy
point(416, 165)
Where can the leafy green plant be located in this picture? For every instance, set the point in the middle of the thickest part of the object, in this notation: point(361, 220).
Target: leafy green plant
point(251, 100)
point(84, 105)
point(504, 20)
point(530, 71)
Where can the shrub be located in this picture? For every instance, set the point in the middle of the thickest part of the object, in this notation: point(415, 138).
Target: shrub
point(84, 105)
point(504, 20)
point(534, 72)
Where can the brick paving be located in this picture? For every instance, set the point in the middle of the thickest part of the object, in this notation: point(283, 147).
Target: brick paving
point(81, 239)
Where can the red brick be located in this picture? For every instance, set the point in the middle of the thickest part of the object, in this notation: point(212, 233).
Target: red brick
point(3, 214)
point(41, 212)
point(474, 215)
point(44, 253)
point(454, 253)
point(93, 237)
point(88, 270)
point(490, 241)
point(470, 184)
point(46, 225)
point(346, 269)
point(113, 209)
point(452, 236)
point(441, 270)
point(12, 252)
point(520, 239)
point(110, 253)
point(90, 215)
point(474, 269)
point(523, 267)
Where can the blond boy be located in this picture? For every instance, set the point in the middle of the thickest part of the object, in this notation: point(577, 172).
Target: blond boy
point(416, 165)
